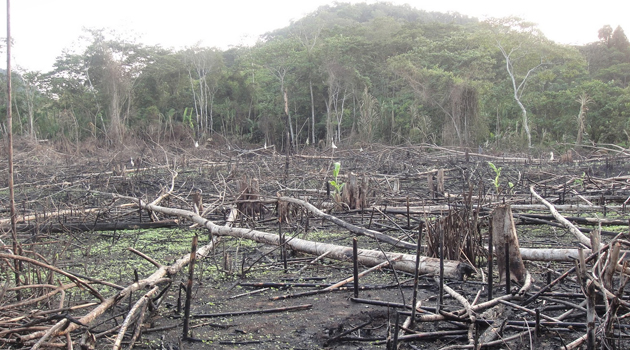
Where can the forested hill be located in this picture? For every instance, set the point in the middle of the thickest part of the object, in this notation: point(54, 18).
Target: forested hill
point(342, 16)
point(345, 73)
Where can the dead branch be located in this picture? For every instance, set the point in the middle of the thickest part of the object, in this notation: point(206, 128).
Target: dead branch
point(155, 278)
point(574, 230)
point(352, 228)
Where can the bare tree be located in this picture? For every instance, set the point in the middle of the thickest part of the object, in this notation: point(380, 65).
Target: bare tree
point(339, 80)
point(114, 66)
point(17, 248)
point(517, 87)
point(30, 89)
point(277, 59)
point(203, 67)
point(308, 38)
point(584, 101)
point(368, 114)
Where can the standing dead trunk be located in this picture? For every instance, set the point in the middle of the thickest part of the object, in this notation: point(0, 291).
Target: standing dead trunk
point(431, 185)
point(584, 100)
point(310, 85)
point(440, 181)
point(17, 248)
point(289, 122)
point(504, 231)
point(518, 89)
point(350, 191)
point(361, 198)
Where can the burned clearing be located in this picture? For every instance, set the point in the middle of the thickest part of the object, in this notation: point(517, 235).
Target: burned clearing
point(105, 241)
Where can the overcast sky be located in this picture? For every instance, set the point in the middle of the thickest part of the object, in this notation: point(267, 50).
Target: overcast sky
point(43, 28)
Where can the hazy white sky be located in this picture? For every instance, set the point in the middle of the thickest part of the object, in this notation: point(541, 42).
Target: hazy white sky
point(43, 28)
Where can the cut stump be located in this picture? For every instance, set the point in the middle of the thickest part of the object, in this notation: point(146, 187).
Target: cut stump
point(504, 231)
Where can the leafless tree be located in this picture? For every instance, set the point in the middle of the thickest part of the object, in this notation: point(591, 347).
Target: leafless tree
point(517, 87)
point(584, 100)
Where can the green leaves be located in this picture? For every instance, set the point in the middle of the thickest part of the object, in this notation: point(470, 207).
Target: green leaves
point(338, 186)
point(497, 172)
point(336, 170)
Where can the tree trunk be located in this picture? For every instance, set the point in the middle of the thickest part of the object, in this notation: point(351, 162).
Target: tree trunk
point(584, 100)
point(518, 89)
point(17, 247)
point(289, 122)
point(504, 231)
point(525, 120)
point(406, 262)
point(440, 181)
point(310, 85)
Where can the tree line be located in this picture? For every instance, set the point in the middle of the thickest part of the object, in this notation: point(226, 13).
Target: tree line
point(346, 74)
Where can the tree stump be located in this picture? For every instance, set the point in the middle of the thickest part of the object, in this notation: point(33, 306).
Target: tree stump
point(503, 230)
point(350, 191)
point(431, 185)
point(249, 191)
point(354, 192)
point(197, 202)
point(440, 181)
point(361, 199)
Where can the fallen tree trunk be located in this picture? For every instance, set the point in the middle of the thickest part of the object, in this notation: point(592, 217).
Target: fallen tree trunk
point(406, 262)
point(527, 220)
point(551, 254)
point(574, 230)
point(152, 281)
point(430, 209)
point(577, 220)
point(86, 227)
point(350, 227)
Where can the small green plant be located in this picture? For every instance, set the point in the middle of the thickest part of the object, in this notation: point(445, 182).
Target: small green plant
point(338, 186)
point(580, 181)
point(497, 172)
point(497, 179)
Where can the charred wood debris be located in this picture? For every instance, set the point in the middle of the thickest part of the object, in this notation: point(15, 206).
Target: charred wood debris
point(440, 219)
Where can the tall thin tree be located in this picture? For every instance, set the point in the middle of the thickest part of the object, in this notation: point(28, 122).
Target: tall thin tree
point(16, 245)
point(519, 87)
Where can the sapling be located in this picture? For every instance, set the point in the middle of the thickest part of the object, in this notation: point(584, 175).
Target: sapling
point(336, 184)
point(496, 182)
point(497, 172)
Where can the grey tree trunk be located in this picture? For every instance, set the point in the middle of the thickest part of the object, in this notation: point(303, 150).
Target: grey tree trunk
point(310, 85)
point(518, 89)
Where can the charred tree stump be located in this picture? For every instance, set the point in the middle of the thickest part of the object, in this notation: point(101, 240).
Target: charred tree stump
point(197, 202)
point(504, 235)
point(247, 200)
point(362, 201)
point(350, 191)
point(354, 192)
point(431, 185)
point(440, 181)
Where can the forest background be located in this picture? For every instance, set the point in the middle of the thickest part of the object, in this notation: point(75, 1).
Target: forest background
point(348, 74)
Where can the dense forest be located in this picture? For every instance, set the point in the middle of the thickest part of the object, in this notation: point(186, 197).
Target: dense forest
point(347, 74)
